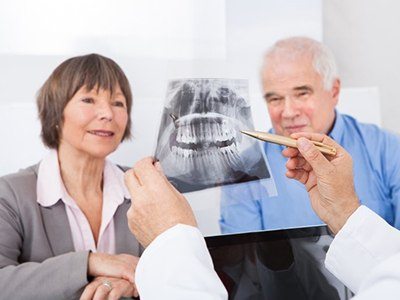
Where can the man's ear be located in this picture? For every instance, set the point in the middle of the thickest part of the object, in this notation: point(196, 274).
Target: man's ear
point(335, 90)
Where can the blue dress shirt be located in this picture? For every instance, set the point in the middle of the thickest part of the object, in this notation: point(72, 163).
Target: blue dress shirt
point(376, 165)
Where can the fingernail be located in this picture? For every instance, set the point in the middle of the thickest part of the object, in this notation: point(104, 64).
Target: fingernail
point(303, 144)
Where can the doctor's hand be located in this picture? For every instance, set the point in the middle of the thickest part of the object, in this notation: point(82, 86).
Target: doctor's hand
point(328, 179)
point(156, 204)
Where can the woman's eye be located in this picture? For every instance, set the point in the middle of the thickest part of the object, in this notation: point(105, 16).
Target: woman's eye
point(119, 103)
point(88, 100)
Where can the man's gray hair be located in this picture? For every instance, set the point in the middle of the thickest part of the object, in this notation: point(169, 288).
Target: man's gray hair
point(294, 47)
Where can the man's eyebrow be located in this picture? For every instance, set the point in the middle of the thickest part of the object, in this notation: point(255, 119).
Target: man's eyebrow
point(270, 94)
point(303, 88)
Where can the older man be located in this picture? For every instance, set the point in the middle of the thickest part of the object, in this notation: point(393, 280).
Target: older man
point(301, 88)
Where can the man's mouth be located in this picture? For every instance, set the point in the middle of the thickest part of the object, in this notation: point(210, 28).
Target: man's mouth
point(295, 128)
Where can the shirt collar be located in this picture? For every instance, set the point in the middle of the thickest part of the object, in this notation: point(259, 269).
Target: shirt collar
point(338, 127)
point(50, 187)
point(114, 184)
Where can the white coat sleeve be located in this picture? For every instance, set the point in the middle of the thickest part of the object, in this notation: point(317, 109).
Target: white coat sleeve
point(383, 282)
point(177, 265)
point(364, 243)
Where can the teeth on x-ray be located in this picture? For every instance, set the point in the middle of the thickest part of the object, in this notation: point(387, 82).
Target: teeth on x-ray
point(203, 130)
point(207, 140)
point(199, 141)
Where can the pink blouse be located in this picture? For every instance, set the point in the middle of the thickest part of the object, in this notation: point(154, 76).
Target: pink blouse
point(50, 189)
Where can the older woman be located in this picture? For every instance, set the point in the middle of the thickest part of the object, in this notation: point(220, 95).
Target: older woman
point(63, 221)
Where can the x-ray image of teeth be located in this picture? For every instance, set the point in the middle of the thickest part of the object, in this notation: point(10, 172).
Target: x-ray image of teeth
point(199, 142)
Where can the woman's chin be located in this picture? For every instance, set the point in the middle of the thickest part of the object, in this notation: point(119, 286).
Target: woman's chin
point(100, 152)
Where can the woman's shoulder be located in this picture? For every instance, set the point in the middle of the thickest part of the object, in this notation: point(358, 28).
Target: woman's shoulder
point(20, 183)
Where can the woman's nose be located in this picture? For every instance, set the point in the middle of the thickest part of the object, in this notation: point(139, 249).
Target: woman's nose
point(105, 112)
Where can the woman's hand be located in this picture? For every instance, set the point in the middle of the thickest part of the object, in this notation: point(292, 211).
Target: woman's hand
point(118, 266)
point(109, 288)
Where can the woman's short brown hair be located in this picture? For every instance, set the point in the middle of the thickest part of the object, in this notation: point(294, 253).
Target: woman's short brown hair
point(92, 71)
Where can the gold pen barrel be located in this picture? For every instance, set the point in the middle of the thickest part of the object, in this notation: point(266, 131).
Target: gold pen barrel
point(286, 141)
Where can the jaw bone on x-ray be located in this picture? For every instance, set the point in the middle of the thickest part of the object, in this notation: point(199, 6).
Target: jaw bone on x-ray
point(199, 142)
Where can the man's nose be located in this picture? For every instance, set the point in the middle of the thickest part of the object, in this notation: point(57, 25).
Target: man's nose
point(290, 108)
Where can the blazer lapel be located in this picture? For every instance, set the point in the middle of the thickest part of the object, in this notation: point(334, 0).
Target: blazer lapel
point(125, 242)
point(59, 233)
point(57, 228)
point(56, 225)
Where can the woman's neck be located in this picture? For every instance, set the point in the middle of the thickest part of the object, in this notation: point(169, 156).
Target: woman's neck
point(81, 173)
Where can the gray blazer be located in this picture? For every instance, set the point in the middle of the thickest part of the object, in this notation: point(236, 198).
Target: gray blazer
point(37, 257)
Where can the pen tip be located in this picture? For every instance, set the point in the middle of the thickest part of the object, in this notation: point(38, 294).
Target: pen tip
point(248, 132)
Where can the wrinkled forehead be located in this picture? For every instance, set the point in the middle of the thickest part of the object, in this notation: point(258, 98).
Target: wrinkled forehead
point(289, 74)
point(286, 61)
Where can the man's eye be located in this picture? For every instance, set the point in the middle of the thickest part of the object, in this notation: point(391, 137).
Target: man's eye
point(88, 100)
point(274, 99)
point(302, 94)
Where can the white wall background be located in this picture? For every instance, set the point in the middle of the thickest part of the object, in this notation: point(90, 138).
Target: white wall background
point(155, 40)
point(365, 38)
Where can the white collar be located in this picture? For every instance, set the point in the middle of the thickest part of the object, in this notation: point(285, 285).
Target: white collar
point(50, 187)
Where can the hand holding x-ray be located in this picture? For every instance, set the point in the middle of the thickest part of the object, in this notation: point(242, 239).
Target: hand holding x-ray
point(157, 205)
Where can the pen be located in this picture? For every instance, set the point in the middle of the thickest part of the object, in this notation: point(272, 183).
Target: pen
point(287, 141)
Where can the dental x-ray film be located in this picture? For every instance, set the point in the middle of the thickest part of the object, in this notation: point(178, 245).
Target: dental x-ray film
point(199, 142)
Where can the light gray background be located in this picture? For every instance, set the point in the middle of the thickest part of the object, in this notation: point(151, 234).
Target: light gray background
point(365, 38)
point(156, 40)
point(152, 40)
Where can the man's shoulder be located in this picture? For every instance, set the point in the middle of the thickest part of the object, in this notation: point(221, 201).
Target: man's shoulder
point(350, 120)
point(371, 132)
